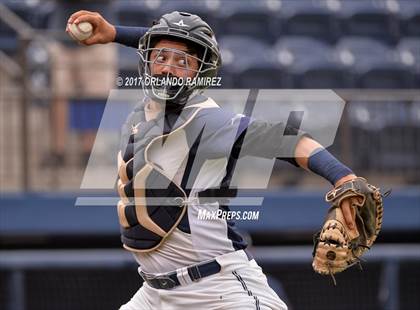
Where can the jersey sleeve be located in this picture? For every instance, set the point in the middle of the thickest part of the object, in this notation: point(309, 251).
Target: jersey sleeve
point(129, 36)
point(269, 140)
point(237, 135)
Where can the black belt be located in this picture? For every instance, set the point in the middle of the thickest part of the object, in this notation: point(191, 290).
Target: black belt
point(170, 280)
point(221, 195)
point(196, 272)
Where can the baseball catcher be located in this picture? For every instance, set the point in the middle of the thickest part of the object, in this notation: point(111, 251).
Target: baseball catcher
point(337, 247)
point(177, 157)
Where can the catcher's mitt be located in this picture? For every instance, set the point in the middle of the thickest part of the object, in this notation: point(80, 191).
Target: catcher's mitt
point(336, 247)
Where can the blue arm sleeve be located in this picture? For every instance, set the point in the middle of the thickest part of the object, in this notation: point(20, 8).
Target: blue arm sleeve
point(129, 36)
point(326, 165)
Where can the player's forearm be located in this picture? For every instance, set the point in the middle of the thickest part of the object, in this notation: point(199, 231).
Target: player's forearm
point(310, 155)
point(129, 36)
point(304, 148)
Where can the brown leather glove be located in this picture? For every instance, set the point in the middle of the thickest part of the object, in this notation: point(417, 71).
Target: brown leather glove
point(336, 248)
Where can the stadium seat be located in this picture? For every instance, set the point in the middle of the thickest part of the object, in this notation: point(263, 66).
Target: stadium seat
point(254, 20)
point(309, 63)
point(239, 50)
point(362, 50)
point(390, 76)
point(410, 17)
point(374, 19)
point(380, 126)
point(373, 64)
point(377, 115)
point(261, 74)
point(412, 45)
point(240, 53)
point(308, 18)
point(137, 13)
point(408, 50)
point(42, 15)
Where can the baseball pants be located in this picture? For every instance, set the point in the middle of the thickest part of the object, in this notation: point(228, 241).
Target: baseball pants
point(240, 284)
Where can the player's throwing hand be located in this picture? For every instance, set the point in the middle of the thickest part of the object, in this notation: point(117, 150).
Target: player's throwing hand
point(103, 31)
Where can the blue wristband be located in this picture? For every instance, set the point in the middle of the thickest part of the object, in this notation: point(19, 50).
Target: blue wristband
point(326, 165)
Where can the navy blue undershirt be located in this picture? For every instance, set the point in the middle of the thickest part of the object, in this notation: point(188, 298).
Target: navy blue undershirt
point(129, 36)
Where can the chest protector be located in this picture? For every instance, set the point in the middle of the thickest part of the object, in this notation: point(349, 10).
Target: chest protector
point(152, 200)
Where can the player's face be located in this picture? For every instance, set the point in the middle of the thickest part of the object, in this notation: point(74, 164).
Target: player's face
point(171, 57)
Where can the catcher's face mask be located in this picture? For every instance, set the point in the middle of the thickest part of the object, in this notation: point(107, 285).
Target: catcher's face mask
point(168, 69)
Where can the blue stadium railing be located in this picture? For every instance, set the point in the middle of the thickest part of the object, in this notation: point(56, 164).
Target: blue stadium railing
point(283, 211)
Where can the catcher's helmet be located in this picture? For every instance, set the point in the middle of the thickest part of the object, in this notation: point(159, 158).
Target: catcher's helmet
point(184, 27)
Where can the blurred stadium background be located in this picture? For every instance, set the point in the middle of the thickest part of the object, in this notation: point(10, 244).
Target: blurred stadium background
point(56, 256)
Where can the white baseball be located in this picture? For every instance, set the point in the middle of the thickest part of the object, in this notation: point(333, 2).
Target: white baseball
point(81, 31)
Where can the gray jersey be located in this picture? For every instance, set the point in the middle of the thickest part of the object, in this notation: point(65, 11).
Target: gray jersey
point(200, 154)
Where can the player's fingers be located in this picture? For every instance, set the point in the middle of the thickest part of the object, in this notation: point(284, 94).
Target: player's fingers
point(94, 39)
point(93, 19)
point(357, 200)
point(346, 208)
point(77, 14)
